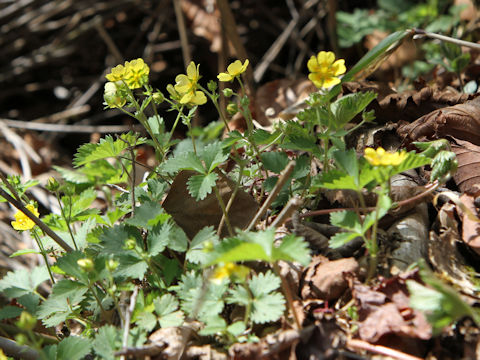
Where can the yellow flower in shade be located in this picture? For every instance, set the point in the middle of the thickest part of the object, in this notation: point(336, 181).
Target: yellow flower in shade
point(234, 70)
point(22, 221)
point(380, 157)
point(117, 74)
point(186, 86)
point(136, 73)
point(324, 70)
point(229, 270)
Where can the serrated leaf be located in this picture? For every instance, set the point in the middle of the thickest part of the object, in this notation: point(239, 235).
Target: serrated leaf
point(341, 238)
point(348, 106)
point(213, 155)
point(147, 215)
point(107, 341)
point(199, 186)
point(132, 266)
point(68, 264)
point(347, 161)
point(146, 320)
point(267, 308)
point(274, 161)
point(293, 248)
point(113, 239)
point(106, 148)
point(73, 348)
point(196, 253)
point(166, 308)
point(158, 238)
point(264, 283)
point(213, 325)
point(184, 161)
point(238, 295)
point(58, 308)
point(335, 179)
point(9, 312)
point(346, 219)
point(22, 281)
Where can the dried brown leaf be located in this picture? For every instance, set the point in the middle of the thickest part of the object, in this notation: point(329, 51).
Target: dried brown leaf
point(192, 215)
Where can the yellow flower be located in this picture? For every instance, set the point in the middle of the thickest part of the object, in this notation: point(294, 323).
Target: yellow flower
point(22, 221)
point(234, 70)
point(186, 87)
point(136, 73)
point(117, 74)
point(324, 70)
point(380, 157)
point(229, 270)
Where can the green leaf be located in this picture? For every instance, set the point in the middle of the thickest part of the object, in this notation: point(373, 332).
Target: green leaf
point(293, 248)
point(264, 283)
point(334, 179)
point(9, 312)
point(199, 186)
point(113, 239)
point(214, 325)
point(347, 107)
point(274, 161)
point(196, 253)
point(73, 348)
point(25, 252)
point(341, 238)
point(203, 298)
point(267, 308)
point(68, 263)
point(107, 341)
point(132, 266)
point(346, 219)
point(146, 320)
point(213, 155)
point(183, 161)
point(347, 161)
point(106, 148)
point(147, 215)
point(158, 238)
point(22, 281)
point(166, 308)
point(239, 295)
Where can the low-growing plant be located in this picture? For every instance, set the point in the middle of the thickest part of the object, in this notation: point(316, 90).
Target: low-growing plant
point(120, 273)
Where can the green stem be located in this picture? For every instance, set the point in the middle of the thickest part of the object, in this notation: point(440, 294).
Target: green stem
point(224, 211)
point(67, 220)
point(44, 254)
point(215, 103)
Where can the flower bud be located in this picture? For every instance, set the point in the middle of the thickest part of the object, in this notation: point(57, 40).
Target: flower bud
point(232, 109)
point(212, 86)
point(111, 265)
point(112, 96)
point(158, 97)
point(27, 321)
point(227, 92)
point(86, 264)
point(52, 184)
point(130, 244)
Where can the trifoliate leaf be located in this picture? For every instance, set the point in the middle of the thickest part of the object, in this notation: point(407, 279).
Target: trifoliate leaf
point(113, 239)
point(68, 264)
point(274, 161)
point(58, 307)
point(146, 320)
point(178, 239)
point(239, 295)
point(131, 265)
point(158, 238)
point(106, 148)
point(199, 186)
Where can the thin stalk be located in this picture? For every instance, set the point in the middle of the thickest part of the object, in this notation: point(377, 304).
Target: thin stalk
point(44, 254)
point(288, 296)
point(97, 299)
point(232, 198)
point(215, 103)
point(224, 211)
point(67, 220)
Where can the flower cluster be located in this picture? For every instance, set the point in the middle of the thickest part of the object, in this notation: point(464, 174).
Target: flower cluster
point(134, 73)
point(234, 70)
point(380, 157)
point(324, 70)
point(186, 90)
point(22, 221)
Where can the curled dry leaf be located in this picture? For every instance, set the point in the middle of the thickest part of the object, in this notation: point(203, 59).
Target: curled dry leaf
point(192, 215)
point(461, 121)
point(384, 310)
point(325, 279)
point(408, 105)
point(468, 171)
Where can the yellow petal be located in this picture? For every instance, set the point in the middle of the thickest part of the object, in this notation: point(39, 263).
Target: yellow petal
point(224, 77)
point(325, 58)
